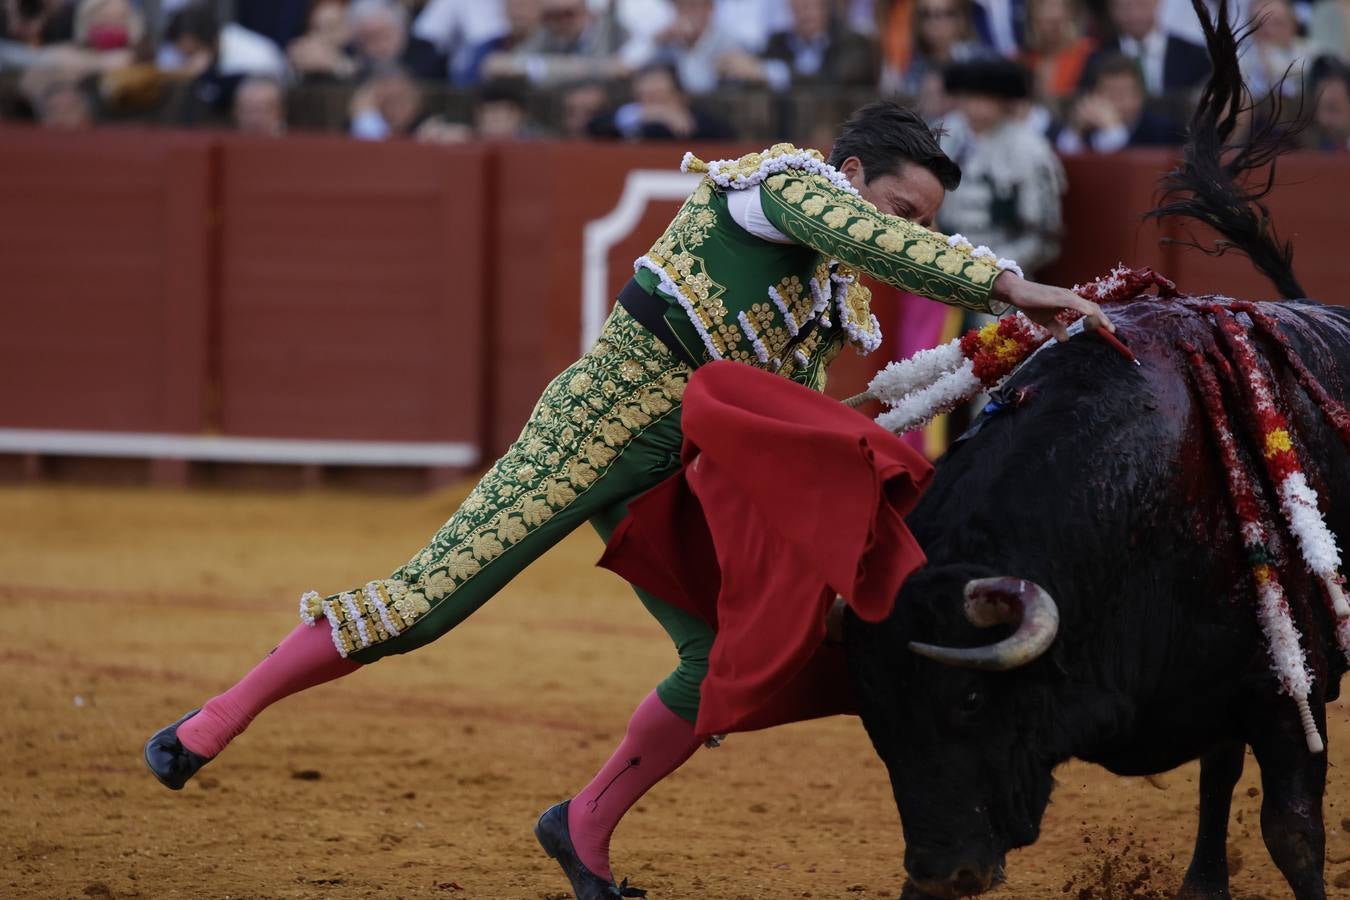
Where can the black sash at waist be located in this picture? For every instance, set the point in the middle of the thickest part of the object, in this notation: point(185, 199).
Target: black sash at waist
point(650, 311)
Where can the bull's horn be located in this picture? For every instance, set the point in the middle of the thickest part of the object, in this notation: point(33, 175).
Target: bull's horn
point(997, 601)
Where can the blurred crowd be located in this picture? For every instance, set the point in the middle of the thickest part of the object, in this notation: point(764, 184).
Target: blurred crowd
point(1090, 76)
point(1015, 85)
point(1006, 79)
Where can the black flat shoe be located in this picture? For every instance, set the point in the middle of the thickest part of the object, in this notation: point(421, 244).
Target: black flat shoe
point(552, 834)
point(169, 761)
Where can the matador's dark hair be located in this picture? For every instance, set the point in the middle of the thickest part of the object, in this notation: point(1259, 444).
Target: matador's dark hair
point(883, 135)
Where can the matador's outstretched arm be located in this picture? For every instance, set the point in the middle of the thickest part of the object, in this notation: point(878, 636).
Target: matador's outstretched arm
point(812, 210)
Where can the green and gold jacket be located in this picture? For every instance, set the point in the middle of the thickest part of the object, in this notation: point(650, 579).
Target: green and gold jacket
point(790, 307)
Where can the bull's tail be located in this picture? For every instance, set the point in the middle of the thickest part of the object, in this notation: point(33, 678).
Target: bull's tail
point(1215, 182)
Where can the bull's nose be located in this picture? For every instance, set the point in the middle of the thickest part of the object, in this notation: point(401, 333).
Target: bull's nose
point(964, 881)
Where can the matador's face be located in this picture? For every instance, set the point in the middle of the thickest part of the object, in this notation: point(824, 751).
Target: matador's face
point(912, 193)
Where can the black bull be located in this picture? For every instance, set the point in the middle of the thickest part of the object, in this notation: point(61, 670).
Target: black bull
point(1100, 483)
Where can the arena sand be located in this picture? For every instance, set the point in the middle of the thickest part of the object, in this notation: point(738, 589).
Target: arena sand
point(421, 776)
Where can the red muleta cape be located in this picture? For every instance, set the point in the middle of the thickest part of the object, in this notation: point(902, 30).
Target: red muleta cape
point(785, 499)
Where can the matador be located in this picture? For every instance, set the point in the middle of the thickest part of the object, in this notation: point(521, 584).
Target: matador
point(760, 265)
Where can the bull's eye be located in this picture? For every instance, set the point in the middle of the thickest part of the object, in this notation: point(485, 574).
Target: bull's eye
point(971, 703)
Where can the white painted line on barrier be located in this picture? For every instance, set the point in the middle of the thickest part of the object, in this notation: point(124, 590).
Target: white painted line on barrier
point(238, 449)
point(600, 235)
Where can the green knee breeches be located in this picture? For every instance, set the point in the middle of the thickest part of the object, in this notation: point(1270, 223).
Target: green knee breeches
point(693, 637)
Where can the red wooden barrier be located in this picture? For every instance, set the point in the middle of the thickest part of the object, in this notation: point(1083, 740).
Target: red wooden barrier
point(103, 280)
point(352, 293)
point(1307, 208)
point(1106, 199)
point(1107, 196)
point(408, 294)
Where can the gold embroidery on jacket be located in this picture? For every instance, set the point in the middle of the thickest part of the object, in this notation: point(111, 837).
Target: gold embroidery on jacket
point(796, 297)
point(674, 253)
point(677, 255)
point(862, 236)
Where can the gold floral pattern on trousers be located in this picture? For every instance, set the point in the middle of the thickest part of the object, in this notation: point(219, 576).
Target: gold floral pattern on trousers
point(580, 425)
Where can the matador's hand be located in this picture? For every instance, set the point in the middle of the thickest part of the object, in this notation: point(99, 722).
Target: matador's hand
point(1042, 302)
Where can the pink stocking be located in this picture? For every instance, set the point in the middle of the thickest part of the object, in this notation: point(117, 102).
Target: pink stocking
point(657, 743)
point(305, 658)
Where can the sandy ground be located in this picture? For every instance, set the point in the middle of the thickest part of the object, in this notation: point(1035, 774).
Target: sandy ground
point(421, 776)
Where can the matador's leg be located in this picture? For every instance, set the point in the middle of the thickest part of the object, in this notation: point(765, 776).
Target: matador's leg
point(660, 736)
point(604, 430)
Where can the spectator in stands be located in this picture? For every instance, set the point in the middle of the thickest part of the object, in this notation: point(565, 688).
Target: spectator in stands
point(750, 23)
point(1274, 49)
point(321, 52)
point(1001, 25)
point(1167, 63)
point(1110, 114)
point(380, 39)
point(103, 37)
point(107, 25)
point(1327, 29)
point(932, 102)
point(817, 50)
point(896, 37)
point(198, 45)
point(660, 110)
point(1330, 129)
point(1177, 17)
point(499, 113)
point(570, 43)
point(858, 16)
point(1011, 182)
point(820, 49)
point(695, 46)
point(280, 21)
point(522, 19)
point(64, 105)
point(103, 56)
point(260, 107)
point(582, 103)
point(1057, 49)
point(643, 22)
point(37, 23)
point(387, 105)
point(213, 59)
point(744, 23)
point(455, 27)
point(942, 35)
point(458, 27)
